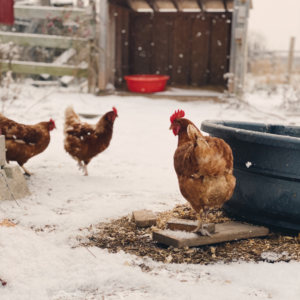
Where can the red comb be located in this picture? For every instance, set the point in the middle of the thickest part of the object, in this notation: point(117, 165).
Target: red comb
point(51, 121)
point(115, 110)
point(177, 114)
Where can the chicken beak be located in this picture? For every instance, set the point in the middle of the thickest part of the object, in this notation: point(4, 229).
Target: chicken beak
point(171, 127)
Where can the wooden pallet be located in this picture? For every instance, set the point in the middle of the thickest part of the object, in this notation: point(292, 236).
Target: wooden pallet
point(223, 233)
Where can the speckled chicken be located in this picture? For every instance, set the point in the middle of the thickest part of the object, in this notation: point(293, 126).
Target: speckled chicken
point(204, 167)
point(23, 142)
point(84, 141)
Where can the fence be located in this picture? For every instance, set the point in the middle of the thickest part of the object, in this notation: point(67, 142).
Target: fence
point(49, 41)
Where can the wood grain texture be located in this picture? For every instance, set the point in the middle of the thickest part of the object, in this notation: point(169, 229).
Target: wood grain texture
point(49, 41)
point(140, 53)
point(188, 225)
point(199, 63)
point(25, 67)
point(144, 218)
point(219, 50)
point(223, 233)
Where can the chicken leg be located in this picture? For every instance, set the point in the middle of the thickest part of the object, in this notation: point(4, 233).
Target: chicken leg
point(80, 165)
point(85, 170)
point(200, 230)
point(26, 171)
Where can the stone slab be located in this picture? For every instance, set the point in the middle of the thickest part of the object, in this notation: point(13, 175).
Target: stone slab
point(13, 186)
point(144, 218)
point(188, 225)
point(223, 233)
point(2, 151)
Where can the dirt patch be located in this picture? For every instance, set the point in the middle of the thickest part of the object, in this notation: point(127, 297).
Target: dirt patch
point(122, 234)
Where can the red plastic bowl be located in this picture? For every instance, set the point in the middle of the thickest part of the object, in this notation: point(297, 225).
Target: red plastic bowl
point(146, 83)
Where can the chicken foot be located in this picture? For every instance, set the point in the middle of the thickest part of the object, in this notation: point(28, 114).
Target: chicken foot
point(200, 230)
point(26, 171)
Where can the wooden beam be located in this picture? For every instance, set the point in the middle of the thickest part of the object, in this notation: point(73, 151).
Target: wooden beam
point(49, 41)
point(140, 6)
point(44, 12)
point(188, 6)
point(26, 67)
point(213, 5)
point(229, 5)
point(164, 6)
point(103, 45)
point(225, 232)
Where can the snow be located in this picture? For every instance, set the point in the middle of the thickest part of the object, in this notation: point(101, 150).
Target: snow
point(180, 234)
point(248, 164)
point(134, 173)
point(188, 92)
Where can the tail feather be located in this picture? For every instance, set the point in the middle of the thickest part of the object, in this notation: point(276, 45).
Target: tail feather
point(71, 118)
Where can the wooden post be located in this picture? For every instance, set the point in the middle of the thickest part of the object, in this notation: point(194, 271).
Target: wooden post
point(290, 61)
point(45, 2)
point(102, 80)
point(238, 49)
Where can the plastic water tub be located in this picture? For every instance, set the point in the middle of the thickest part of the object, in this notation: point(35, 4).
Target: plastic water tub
point(146, 83)
point(267, 169)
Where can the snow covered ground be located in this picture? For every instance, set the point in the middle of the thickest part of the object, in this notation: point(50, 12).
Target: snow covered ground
point(135, 172)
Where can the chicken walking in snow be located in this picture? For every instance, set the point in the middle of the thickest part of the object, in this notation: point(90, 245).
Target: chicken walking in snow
point(25, 141)
point(84, 141)
point(204, 167)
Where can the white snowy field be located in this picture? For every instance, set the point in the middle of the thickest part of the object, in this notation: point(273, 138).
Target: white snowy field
point(135, 172)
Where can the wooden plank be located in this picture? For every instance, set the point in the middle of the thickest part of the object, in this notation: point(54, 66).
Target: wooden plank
point(44, 12)
point(111, 42)
point(229, 5)
point(188, 6)
point(125, 44)
point(60, 60)
point(161, 44)
point(103, 23)
point(181, 49)
point(199, 59)
point(213, 5)
point(224, 233)
point(164, 6)
point(140, 58)
point(188, 225)
point(26, 67)
point(144, 218)
point(121, 33)
point(49, 41)
point(140, 6)
point(219, 50)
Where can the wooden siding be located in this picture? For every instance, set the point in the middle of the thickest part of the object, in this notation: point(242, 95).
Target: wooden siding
point(192, 48)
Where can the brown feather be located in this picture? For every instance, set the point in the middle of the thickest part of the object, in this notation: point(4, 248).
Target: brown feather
point(84, 141)
point(24, 141)
point(204, 167)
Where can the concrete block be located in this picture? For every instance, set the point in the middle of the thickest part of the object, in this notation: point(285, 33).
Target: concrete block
point(144, 218)
point(2, 151)
point(12, 183)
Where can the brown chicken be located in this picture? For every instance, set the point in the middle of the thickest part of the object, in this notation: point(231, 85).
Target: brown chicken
point(84, 141)
point(204, 167)
point(25, 141)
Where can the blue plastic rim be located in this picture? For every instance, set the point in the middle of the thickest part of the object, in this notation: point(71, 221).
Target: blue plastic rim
point(267, 169)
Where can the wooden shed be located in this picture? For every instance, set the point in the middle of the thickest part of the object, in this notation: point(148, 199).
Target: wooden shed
point(189, 40)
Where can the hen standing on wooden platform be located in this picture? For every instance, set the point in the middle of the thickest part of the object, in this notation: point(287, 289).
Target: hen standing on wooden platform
point(204, 167)
point(25, 141)
point(84, 141)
